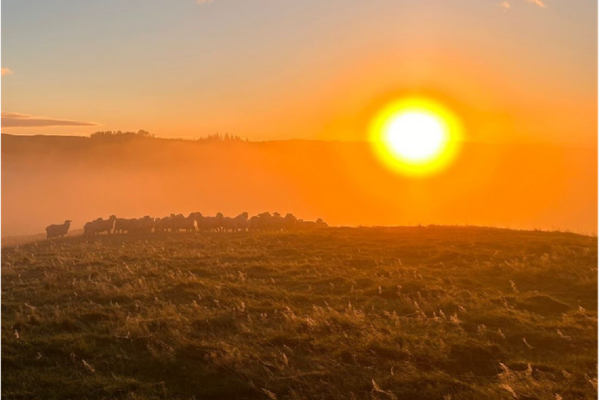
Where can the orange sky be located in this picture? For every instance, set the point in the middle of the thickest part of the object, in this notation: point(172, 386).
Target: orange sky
point(515, 71)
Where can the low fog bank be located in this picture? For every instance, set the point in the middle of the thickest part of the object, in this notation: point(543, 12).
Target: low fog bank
point(49, 179)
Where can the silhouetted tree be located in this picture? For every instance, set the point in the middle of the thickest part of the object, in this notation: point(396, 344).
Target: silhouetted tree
point(119, 135)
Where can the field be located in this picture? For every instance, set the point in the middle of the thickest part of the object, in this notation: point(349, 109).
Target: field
point(342, 313)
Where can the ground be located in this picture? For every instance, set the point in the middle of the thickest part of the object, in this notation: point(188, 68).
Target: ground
point(342, 313)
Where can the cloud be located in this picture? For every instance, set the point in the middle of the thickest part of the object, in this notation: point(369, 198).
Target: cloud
point(506, 5)
point(7, 71)
point(16, 120)
point(539, 3)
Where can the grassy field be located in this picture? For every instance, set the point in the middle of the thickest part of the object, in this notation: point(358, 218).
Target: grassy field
point(343, 313)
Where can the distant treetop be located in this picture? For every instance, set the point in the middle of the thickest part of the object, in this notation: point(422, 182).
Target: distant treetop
point(119, 135)
point(218, 137)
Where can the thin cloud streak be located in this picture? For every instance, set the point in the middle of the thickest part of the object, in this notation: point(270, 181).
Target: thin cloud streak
point(7, 71)
point(538, 3)
point(16, 120)
point(506, 5)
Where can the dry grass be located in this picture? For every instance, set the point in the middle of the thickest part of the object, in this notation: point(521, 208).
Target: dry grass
point(378, 313)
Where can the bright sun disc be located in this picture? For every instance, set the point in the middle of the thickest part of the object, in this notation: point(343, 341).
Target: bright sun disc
point(416, 136)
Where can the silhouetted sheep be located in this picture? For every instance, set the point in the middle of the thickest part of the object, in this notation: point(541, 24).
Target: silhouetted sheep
point(123, 225)
point(99, 225)
point(290, 222)
point(163, 224)
point(143, 225)
point(241, 222)
point(57, 230)
point(175, 223)
point(211, 224)
point(305, 225)
point(180, 222)
point(236, 224)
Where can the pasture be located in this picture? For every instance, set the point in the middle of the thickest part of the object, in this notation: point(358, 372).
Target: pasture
point(414, 313)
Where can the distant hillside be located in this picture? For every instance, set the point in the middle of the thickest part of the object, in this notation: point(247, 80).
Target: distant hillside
point(47, 179)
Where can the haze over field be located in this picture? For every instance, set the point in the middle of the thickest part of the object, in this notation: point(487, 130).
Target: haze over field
point(50, 179)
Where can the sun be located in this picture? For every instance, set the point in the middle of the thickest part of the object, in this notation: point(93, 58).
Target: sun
point(416, 136)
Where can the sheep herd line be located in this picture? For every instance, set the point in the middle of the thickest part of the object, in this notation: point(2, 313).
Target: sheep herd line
point(195, 222)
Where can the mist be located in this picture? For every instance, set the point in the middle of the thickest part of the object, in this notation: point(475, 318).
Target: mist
point(48, 179)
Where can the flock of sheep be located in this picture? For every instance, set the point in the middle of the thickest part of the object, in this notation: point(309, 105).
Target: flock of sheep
point(195, 222)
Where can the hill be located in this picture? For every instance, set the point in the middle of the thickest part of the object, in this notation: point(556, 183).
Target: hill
point(46, 180)
point(365, 313)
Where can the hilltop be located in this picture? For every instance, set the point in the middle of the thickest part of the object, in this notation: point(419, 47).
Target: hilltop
point(364, 313)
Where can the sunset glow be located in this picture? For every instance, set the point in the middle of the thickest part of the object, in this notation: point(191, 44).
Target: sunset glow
point(416, 136)
point(253, 199)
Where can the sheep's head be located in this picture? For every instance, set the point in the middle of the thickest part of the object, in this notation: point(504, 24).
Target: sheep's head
point(68, 221)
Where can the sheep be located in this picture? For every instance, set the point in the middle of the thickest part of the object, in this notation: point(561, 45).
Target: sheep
point(163, 224)
point(88, 229)
point(235, 224)
point(144, 225)
point(260, 222)
point(99, 225)
point(175, 223)
point(254, 224)
point(205, 223)
point(305, 225)
point(290, 222)
point(228, 224)
point(106, 225)
point(219, 221)
point(214, 224)
point(57, 230)
point(200, 221)
point(277, 222)
point(181, 222)
point(241, 222)
point(123, 225)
